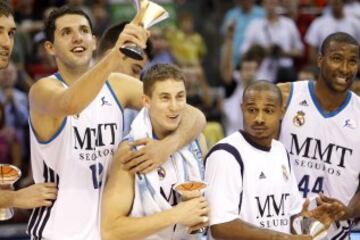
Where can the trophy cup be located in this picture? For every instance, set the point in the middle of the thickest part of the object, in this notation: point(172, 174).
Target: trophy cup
point(148, 14)
point(9, 174)
point(187, 191)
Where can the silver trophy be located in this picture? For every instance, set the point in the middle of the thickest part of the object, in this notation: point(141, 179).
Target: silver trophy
point(186, 191)
point(9, 174)
point(148, 14)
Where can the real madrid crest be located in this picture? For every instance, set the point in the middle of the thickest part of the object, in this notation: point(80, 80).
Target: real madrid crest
point(299, 119)
point(161, 172)
point(285, 173)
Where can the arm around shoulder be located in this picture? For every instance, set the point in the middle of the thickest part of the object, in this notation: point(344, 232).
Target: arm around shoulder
point(191, 126)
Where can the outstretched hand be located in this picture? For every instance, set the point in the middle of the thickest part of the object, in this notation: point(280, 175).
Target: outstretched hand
point(342, 208)
point(326, 211)
point(142, 159)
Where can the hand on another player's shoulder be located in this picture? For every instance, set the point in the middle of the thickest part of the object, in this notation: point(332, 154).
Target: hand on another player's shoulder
point(142, 155)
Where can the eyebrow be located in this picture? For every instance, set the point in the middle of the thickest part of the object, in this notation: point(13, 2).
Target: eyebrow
point(69, 27)
point(11, 29)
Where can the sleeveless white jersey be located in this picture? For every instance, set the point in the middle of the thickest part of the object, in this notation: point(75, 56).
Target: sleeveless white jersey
point(77, 158)
point(324, 147)
point(251, 183)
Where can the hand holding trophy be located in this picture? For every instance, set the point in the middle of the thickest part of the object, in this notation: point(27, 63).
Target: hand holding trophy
point(148, 14)
point(9, 174)
point(189, 190)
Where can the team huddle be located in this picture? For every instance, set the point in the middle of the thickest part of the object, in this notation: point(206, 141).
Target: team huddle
point(299, 142)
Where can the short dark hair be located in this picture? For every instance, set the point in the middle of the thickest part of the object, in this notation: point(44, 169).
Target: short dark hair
point(59, 12)
point(158, 73)
point(110, 36)
point(263, 85)
point(340, 37)
point(5, 9)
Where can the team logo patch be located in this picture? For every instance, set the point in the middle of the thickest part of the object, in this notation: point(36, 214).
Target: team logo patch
point(285, 173)
point(161, 172)
point(349, 123)
point(104, 102)
point(262, 175)
point(299, 119)
point(304, 103)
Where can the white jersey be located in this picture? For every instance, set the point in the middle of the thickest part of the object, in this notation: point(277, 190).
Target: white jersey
point(251, 183)
point(77, 158)
point(323, 147)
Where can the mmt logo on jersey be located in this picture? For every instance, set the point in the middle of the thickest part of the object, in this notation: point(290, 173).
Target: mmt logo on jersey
point(92, 138)
point(272, 210)
point(314, 153)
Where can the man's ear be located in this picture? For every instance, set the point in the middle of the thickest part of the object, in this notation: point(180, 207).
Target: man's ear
point(49, 47)
point(146, 101)
point(319, 59)
point(282, 111)
point(95, 42)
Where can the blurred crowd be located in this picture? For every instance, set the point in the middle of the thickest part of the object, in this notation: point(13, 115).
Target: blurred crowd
point(221, 46)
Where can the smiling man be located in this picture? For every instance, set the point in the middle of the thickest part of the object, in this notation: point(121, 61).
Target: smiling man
point(77, 123)
point(7, 34)
point(146, 206)
point(320, 129)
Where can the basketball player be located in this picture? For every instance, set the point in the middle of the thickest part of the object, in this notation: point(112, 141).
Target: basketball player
point(251, 190)
point(320, 129)
point(132, 210)
point(39, 194)
point(77, 121)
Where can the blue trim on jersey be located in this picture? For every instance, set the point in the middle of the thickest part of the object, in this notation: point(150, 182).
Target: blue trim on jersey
point(118, 103)
point(317, 104)
point(254, 144)
point(290, 94)
point(55, 134)
point(230, 149)
point(59, 77)
point(235, 153)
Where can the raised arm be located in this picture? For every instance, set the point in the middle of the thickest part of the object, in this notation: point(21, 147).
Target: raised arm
point(116, 206)
point(50, 102)
point(54, 100)
point(226, 64)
